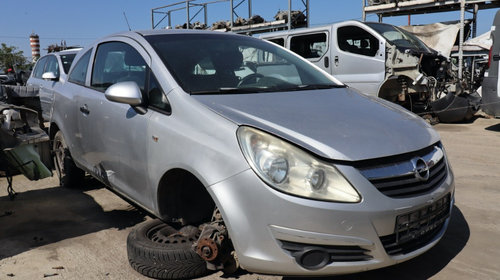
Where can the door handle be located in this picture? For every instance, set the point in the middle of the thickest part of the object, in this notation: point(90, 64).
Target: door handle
point(496, 57)
point(85, 109)
point(327, 62)
point(336, 60)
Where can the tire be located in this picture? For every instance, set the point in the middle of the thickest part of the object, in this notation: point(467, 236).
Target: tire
point(155, 250)
point(69, 174)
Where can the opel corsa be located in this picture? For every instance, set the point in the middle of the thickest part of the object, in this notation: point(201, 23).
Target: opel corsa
point(248, 154)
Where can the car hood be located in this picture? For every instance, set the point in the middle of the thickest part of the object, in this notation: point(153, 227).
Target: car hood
point(338, 124)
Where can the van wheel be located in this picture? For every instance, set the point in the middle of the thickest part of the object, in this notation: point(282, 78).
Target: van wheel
point(157, 250)
point(67, 171)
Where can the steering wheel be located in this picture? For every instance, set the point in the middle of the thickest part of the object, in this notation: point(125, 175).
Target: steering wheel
point(252, 78)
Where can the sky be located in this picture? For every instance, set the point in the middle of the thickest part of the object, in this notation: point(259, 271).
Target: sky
point(82, 22)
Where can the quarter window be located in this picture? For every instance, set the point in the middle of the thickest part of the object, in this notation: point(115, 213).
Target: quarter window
point(309, 46)
point(357, 40)
point(118, 62)
point(79, 72)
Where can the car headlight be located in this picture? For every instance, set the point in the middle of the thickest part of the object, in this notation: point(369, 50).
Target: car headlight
point(291, 170)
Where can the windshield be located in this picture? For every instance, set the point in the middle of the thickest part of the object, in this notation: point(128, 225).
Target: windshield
point(66, 60)
point(221, 63)
point(399, 37)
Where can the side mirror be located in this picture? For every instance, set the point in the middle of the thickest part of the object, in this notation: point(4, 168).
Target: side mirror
point(49, 76)
point(124, 92)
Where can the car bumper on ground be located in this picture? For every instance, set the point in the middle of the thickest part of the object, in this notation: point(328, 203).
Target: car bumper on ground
point(277, 233)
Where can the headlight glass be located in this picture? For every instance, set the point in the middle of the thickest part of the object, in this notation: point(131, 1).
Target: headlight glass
point(291, 170)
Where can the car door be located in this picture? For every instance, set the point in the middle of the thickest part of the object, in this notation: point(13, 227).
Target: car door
point(68, 111)
point(313, 46)
point(358, 57)
point(116, 134)
point(47, 86)
point(37, 81)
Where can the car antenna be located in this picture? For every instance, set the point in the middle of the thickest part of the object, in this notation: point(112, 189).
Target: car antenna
point(127, 21)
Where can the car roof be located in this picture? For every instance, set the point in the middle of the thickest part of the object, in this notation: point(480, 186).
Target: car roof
point(63, 52)
point(180, 31)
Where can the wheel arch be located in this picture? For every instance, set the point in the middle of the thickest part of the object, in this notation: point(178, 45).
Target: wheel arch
point(181, 196)
point(53, 129)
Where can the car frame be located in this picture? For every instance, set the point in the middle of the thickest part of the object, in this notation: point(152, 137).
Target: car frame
point(192, 161)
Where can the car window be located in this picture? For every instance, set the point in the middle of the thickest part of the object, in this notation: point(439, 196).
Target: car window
point(278, 41)
point(310, 45)
point(66, 60)
point(156, 97)
point(52, 65)
point(267, 64)
point(356, 40)
point(40, 66)
point(118, 62)
point(79, 72)
point(235, 64)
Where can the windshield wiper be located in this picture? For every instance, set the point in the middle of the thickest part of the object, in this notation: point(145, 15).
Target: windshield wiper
point(234, 90)
point(230, 90)
point(321, 86)
point(313, 86)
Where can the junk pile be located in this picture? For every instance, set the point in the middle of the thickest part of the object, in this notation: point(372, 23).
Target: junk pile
point(457, 99)
point(298, 19)
point(24, 143)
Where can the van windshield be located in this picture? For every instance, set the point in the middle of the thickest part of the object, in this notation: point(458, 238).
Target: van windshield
point(208, 63)
point(401, 38)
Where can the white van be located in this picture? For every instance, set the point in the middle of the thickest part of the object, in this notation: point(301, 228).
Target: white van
point(382, 60)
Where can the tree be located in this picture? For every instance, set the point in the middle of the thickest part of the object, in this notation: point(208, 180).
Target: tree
point(10, 56)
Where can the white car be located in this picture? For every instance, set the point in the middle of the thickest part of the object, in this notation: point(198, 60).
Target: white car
point(49, 72)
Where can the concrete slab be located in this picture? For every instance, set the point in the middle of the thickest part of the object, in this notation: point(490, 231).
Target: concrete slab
point(81, 233)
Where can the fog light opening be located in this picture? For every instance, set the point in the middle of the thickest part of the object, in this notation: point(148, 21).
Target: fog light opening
point(312, 258)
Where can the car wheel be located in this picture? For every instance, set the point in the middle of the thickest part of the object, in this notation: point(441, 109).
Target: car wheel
point(157, 250)
point(67, 171)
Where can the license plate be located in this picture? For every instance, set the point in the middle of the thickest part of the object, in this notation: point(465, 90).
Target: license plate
point(426, 219)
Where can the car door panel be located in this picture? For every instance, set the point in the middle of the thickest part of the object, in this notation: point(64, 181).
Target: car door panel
point(116, 134)
point(314, 47)
point(358, 57)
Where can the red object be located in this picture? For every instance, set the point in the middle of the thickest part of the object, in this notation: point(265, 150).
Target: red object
point(489, 57)
point(10, 70)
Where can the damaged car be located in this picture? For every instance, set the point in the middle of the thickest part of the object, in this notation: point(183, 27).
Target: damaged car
point(388, 62)
point(249, 156)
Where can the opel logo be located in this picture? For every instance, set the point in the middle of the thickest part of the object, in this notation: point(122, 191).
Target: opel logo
point(420, 169)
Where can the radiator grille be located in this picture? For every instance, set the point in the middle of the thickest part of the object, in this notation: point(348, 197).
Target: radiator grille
point(418, 173)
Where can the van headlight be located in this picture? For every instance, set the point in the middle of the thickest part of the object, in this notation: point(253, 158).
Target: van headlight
point(291, 170)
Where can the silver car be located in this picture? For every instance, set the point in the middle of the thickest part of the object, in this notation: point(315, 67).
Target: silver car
point(248, 152)
point(49, 72)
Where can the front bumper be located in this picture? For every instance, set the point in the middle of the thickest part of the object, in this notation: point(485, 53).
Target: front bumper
point(271, 230)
